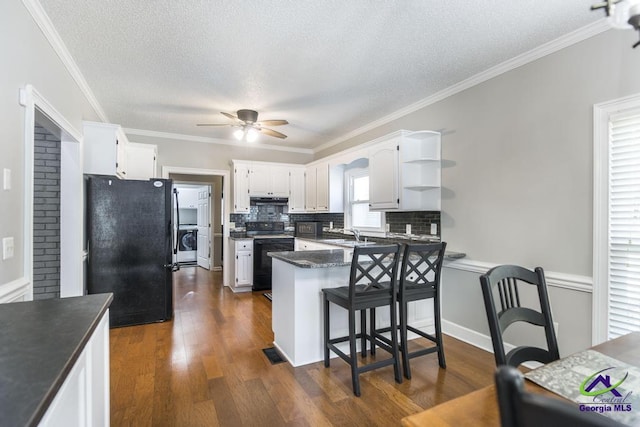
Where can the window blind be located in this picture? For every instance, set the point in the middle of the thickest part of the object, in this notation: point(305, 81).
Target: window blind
point(624, 224)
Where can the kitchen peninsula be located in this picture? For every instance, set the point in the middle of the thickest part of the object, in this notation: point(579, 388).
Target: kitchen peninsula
point(298, 280)
point(54, 362)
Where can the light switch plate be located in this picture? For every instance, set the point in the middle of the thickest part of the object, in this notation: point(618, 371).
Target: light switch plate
point(6, 179)
point(7, 248)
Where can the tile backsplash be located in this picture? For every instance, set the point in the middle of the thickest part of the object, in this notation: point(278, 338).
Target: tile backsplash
point(420, 220)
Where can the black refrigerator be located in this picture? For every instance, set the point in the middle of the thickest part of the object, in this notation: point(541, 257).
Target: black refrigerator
point(129, 245)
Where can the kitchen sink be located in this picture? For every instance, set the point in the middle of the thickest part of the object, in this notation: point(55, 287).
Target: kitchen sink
point(334, 240)
point(348, 243)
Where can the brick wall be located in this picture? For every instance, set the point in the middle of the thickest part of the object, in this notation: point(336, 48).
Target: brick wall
point(46, 215)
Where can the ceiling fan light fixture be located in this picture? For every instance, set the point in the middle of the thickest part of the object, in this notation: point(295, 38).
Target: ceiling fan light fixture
point(252, 135)
point(238, 134)
point(622, 12)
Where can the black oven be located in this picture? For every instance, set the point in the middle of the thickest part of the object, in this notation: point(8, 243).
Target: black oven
point(262, 262)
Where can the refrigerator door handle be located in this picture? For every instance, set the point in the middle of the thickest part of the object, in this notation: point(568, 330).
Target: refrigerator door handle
point(175, 266)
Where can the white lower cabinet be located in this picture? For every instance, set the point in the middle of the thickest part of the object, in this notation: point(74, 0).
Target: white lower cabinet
point(83, 398)
point(242, 264)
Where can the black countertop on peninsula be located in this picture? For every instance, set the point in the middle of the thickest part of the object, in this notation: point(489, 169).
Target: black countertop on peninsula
point(315, 259)
point(40, 342)
point(326, 258)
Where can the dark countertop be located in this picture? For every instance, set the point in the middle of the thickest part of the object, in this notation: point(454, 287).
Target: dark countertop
point(40, 342)
point(330, 258)
point(315, 259)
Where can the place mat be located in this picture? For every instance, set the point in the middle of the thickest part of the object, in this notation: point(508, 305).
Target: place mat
point(597, 382)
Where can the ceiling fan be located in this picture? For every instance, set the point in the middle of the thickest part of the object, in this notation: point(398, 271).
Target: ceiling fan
point(248, 125)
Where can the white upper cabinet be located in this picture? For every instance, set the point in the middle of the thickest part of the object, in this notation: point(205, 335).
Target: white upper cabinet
point(240, 187)
point(188, 198)
point(383, 175)
point(296, 189)
point(268, 180)
point(404, 172)
point(324, 188)
point(141, 161)
point(105, 149)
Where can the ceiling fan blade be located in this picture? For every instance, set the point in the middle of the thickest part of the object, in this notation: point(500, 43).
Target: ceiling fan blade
point(273, 122)
point(231, 116)
point(213, 124)
point(271, 132)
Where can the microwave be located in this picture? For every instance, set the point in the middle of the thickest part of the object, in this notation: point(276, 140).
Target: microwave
point(308, 229)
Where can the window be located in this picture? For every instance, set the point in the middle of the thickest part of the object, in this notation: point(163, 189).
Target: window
point(357, 214)
point(616, 289)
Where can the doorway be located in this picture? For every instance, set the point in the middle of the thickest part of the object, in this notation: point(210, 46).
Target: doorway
point(63, 263)
point(194, 216)
point(218, 180)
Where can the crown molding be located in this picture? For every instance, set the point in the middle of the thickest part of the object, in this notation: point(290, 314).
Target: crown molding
point(46, 26)
point(548, 48)
point(192, 138)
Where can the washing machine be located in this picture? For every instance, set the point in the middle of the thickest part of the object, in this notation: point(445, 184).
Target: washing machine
point(187, 243)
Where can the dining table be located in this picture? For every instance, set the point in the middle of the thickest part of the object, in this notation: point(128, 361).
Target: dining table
point(480, 407)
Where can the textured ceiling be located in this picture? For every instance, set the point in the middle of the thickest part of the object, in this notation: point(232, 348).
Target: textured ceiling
point(328, 67)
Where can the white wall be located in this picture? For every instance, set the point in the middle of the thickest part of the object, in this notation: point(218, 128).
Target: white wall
point(517, 173)
point(27, 58)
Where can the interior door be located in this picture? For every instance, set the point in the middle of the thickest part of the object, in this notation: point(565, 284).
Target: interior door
point(204, 228)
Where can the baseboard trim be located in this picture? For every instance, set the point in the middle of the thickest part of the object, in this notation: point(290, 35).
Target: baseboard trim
point(477, 339)
point(16, 290)
point(559, 280)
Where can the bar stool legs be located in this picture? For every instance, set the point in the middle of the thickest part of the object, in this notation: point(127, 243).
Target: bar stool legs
point(378, 271)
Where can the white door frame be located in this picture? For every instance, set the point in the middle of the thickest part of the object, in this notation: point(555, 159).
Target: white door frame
point(167, 170)
point(71, 195)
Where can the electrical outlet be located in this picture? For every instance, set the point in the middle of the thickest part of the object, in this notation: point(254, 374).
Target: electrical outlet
point(7, 248)
point(408, 228)
point(330, 225)
point(434, 229)
point(387, 227)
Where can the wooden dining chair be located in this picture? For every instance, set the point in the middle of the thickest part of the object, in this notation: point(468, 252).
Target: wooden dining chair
point(372, 283)
point(504, 281)
point(519, 408)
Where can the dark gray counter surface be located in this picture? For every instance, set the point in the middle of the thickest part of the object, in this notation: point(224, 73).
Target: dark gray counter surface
point(40, 342)
point(313, 259)
point(330, 257)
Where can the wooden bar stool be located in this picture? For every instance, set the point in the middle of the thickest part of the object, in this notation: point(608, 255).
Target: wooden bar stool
point(372, 283)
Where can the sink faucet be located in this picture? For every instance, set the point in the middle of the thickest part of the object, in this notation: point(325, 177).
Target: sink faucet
point(356, 233)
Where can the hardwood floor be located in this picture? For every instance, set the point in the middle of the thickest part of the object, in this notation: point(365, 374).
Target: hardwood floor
point(206, 368)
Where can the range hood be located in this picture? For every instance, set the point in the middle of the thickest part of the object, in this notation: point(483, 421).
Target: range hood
point(273, 201)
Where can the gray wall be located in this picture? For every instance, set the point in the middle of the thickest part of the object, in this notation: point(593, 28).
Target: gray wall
point(27, 58)
point(517, 172)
